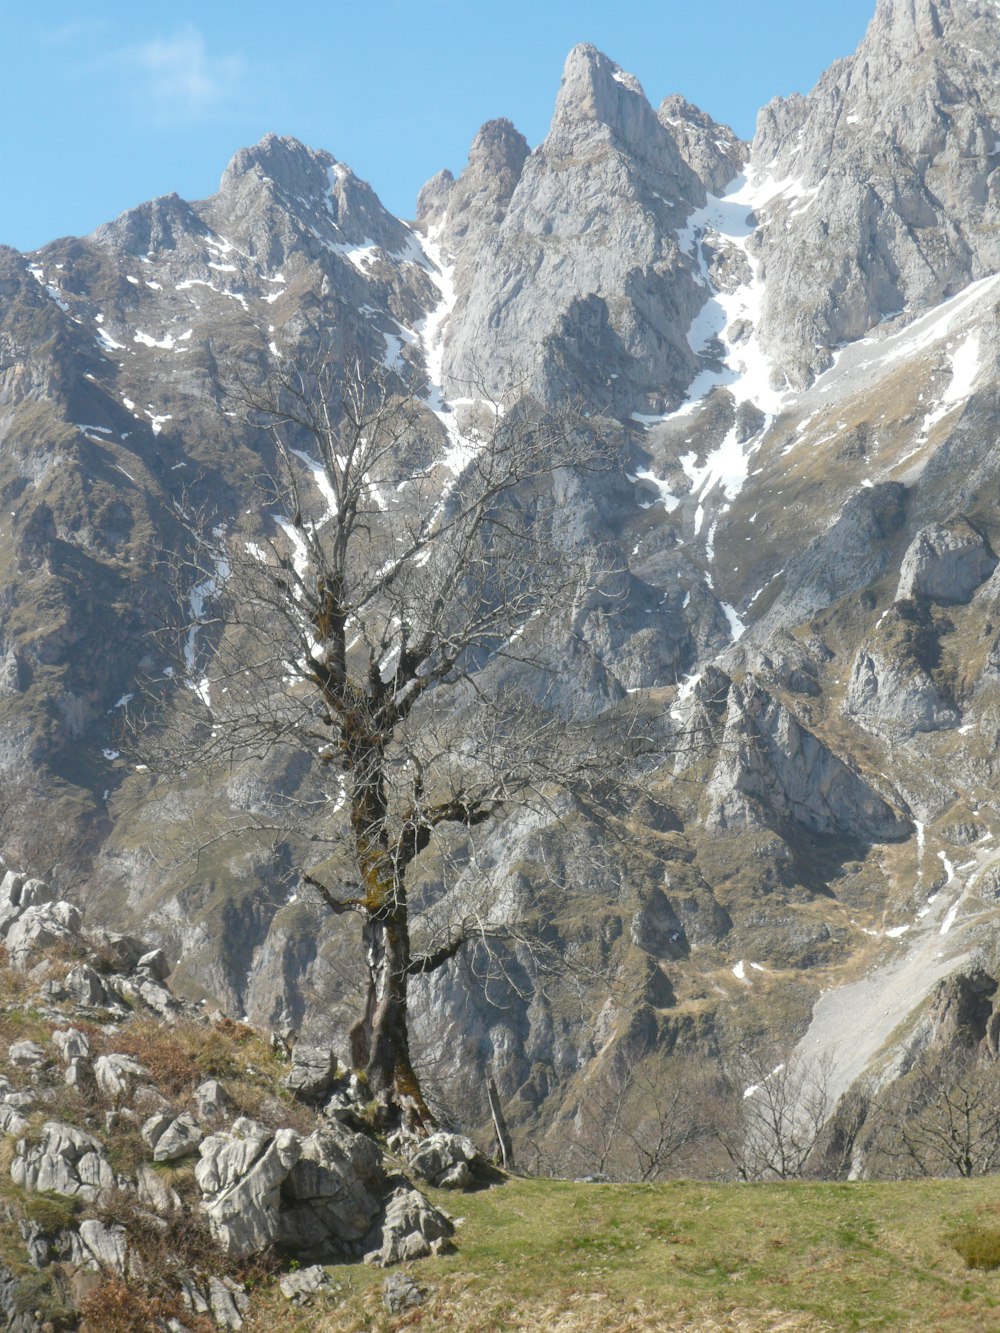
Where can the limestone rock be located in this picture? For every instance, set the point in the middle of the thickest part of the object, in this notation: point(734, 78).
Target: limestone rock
point(71, 1043)
point(240, 1176)
point(155, 964)
point(229, 1302)
point(334, 1191)
point(41, 927)
point(945, 563)
point(211, 1099)
point(106, 1246)
point(400, 1293)
point(444, 1160)
point(898, 695)
point(299, 1287)
point(180, 1138)
point(117, 1075)
point(26, 1054)
point(771, 766)
point(65, 1160)
point(313, 1072)
point(85, 987)
point(410, 1227)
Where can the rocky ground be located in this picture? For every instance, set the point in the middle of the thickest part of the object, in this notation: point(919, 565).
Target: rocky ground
point(162, 1165)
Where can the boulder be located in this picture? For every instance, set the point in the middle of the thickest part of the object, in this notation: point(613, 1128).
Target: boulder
point(211, 1099)
point(319, 1195)
point(71, 1043)
point(313, 1072)
point(228, 1301)
point(444, 1160)
point(299, 1287)
point(410, 1227)
point(240, 1176)
point(17, 894)
point(179, 1138)
point(41, 927)
point(84, 987)
point(155, 964)
point(106, 1246)
point(400, 1293)
point(333, 1192)
point(65, 1160)
point(117, 1075)
point(26, 1054)
point(945, 563)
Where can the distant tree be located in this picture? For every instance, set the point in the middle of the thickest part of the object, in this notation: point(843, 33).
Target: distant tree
point(380, 627)
point(770, 1110)
point(639, 1121)
point(943, 1119)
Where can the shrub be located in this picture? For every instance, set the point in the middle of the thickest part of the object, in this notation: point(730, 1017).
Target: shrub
point(37, 1294)
point(978, 1246)
point(52, 1212)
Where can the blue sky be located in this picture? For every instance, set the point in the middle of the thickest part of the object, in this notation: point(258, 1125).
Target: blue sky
point(105, 105)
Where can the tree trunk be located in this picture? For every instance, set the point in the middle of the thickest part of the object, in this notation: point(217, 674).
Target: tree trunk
point(382, 1036)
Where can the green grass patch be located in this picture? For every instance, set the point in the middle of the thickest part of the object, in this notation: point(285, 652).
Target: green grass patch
point(685, 1256)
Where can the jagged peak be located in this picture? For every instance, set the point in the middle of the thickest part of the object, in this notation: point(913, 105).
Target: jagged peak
point(919, 21)
point(595, 88)
point(499, 145)
point(284, 160)
point(153, 225)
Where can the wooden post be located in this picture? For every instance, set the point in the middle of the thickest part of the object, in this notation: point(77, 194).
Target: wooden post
point(500, 1125)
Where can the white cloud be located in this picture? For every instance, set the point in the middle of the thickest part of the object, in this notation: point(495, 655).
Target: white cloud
point(66, 34)
point(178, 80)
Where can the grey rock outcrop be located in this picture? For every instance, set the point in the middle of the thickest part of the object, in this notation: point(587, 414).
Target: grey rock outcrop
point(945, 563)
point(444, 1160)
point(771, 768)
point(886, 691)
point(299, 1287)
point(896, 201)
point(64, 1160)
point(400, 1293)
point(317, 1194)
point(313, 1072)
point(41, 927)
point(409, 1227)
point(712, 151)
point(240, 1176)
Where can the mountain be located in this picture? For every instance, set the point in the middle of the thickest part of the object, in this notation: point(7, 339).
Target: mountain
point(792, 348)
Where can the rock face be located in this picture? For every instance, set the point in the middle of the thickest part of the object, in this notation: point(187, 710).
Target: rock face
point(568, 274)
point(771, 766)
point(65, 1160)
point(945, 564)
point(319, 1194)
point(892, 201)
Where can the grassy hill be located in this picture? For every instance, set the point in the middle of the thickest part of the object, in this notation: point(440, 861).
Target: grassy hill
point(561, 1257)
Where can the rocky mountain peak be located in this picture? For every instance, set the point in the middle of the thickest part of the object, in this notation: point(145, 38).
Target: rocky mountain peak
point(281, 176)
point(279, 158)
point(479, 198)
point(910, 24)
point(712, 151)
point(597, 92)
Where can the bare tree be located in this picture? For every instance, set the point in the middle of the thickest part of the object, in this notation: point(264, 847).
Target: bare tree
point(770, 1112)
point(943, 1119)
point(639, 1121)
point(379, 627)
